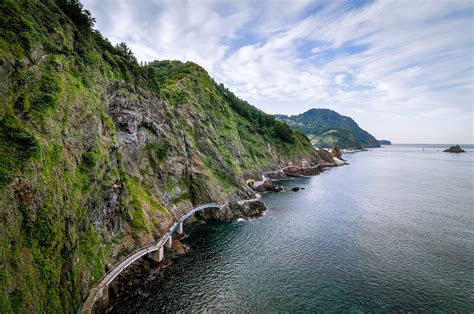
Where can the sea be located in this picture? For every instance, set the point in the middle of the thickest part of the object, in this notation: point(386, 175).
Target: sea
point(393, 231)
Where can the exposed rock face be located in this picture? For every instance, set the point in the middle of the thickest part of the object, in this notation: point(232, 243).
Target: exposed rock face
point(340, 162)
point(235, 210)
point(178, 247)
point(336, 152)
point(275, 175)
point(454, 149)
point(263, 186)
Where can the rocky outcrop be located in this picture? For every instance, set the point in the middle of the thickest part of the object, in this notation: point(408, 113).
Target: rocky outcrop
point(336, 152)
point(340, 162)
point(263, 186)
point(235, 210)
point(454, 149)
point(275, 175)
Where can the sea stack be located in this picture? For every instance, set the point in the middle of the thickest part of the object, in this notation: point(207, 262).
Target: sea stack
point(454, 149)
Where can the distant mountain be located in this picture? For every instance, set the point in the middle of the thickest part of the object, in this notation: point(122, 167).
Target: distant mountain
point(385, 142)
point(325, 127)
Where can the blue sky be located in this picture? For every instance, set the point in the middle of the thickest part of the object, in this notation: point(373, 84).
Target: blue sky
point(404, 70)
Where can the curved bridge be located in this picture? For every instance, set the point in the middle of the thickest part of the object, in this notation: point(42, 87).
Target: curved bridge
point(99, 295)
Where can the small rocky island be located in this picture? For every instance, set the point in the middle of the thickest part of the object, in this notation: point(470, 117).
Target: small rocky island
point(454, 149)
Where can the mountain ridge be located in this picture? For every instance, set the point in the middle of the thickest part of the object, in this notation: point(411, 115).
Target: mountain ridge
point(326, 127)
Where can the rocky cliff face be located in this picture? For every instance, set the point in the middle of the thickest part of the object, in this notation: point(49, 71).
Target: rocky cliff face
point(98, 155)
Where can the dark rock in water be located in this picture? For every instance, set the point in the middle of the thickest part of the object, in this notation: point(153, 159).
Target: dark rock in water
point(278, 188)
point(454, 149)
point(295, 189)
point(303, 188)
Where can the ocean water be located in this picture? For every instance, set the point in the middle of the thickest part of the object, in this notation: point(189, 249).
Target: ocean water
point(393, 231)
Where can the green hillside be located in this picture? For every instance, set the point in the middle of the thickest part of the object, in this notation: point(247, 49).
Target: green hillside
point(326, 127)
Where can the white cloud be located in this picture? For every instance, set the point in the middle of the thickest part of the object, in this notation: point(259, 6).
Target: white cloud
point(339, 79)
point(403, 59)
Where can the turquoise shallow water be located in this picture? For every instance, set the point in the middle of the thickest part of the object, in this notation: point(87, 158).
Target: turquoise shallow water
point(394, 231)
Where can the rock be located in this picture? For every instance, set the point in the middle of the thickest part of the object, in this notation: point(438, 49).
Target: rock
point(235, 210)
point(262, 186)
point(336, 152)
point(385, 142)
point(274, 175)
point(295, 189)
point(178, 247)
point(278, 188)
point(454, 149)
point(312, 171)
point(293, 171)
point(340, 162)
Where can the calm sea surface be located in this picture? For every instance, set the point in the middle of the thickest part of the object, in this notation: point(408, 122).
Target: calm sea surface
point(394, 231)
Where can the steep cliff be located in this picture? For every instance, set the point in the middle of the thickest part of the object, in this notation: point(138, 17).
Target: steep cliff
point(326, 127)
point(99, 154)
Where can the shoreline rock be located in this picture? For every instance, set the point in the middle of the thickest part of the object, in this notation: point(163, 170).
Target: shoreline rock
point(454, 149)
point(234, 210)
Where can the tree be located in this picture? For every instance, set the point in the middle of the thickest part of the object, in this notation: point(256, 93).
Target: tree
point(126, 52)
point(76, 12)
point(283, 132)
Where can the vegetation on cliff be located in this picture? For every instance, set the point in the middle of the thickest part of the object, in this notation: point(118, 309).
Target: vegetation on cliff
point(98, 153)
point(326, 128)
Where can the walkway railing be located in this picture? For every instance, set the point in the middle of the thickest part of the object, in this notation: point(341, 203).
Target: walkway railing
point(100, 291)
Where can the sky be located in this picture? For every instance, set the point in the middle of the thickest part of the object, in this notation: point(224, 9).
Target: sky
point(404, 70)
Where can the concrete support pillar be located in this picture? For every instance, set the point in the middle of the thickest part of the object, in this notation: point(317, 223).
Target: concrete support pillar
point(103, 298)
point(157, 255)
point(180, 228)
point(161, 254)
point(169, 241)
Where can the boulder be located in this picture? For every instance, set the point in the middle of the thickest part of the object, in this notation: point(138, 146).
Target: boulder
point(454, 149)
point(178, 247)
point(295, 189)
point(235, 210)
point(263, 186)
point(278, 188)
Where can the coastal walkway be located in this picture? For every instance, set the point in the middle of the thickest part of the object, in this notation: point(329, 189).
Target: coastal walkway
point(99, 295)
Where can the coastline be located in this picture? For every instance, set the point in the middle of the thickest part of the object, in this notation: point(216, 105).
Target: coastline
point(145, 271)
